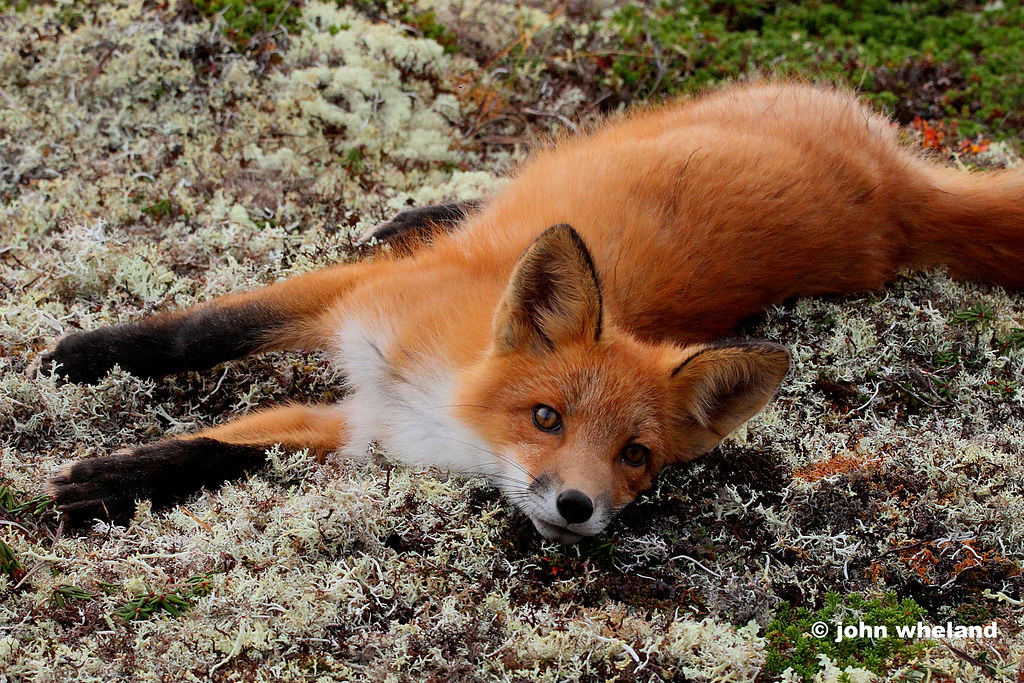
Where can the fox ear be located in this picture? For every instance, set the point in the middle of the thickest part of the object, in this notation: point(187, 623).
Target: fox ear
point(552, 298)
point(721, 386)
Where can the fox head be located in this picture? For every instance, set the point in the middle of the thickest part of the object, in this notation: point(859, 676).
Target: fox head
point(581, 415)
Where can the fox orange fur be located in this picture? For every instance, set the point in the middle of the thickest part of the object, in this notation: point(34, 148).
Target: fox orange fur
point(572, 364)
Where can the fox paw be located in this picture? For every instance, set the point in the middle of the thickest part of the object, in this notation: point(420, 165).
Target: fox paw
point(419, 223)
point(81, 357)
point(105, 488)
point(398, 228)
point(108, 487)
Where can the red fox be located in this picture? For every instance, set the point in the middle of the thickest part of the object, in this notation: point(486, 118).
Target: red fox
point(568, 337)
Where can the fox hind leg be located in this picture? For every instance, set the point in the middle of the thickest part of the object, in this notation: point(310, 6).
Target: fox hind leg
point(420, 224)
point(168, 471)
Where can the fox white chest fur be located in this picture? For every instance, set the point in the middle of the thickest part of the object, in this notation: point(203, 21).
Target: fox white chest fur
point(408, 412)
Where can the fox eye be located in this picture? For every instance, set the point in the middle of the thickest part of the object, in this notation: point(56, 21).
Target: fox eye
point(634, 454)
point(546, 418)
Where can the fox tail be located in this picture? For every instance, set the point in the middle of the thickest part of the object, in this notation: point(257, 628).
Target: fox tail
point(970, 223)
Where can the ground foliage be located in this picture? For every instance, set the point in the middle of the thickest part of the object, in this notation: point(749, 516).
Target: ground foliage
point(153, 154)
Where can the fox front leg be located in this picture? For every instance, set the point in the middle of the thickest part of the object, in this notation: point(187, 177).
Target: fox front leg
point(163, 344)
point(168, 471)
point(292, 314)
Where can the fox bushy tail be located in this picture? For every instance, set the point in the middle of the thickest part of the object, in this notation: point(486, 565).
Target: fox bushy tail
point(972, 224)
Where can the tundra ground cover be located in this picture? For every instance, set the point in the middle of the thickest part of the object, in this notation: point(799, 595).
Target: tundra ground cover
point(155, 154)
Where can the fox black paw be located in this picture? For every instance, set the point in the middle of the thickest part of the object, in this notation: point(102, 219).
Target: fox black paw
point(165, 472)
point(421, 222)
point(81, 357)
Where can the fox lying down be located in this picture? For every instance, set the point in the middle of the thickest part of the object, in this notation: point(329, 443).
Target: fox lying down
point(569, 336)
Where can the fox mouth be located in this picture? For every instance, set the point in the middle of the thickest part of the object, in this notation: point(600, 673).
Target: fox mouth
point(553, 532)
point(535, 502)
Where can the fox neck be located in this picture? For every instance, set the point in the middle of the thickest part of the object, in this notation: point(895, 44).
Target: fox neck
point(404, 340)
point(436, 307)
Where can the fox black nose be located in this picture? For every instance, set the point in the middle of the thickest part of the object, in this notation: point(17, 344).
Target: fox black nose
point(575, 506)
